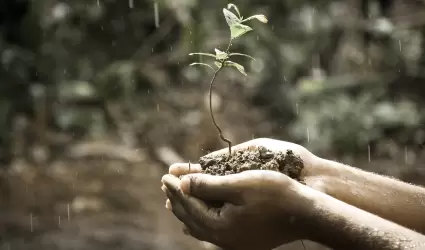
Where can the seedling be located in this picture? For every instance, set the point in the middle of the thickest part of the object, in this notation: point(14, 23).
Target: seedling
point(222, 58)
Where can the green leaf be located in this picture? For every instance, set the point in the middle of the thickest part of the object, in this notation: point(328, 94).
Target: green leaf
point(202, 64)
point(231, 18)
point(231, 5)
point(221, 55)
point(218, 64)
point(236, 65)
point(261, 18)
point(202, 54)
point(240, 54)
point(238, 30)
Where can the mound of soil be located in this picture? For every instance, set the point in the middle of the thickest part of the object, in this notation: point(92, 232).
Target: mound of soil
point(251, 159)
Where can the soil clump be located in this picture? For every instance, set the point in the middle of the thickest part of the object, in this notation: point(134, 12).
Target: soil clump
point(254, 158)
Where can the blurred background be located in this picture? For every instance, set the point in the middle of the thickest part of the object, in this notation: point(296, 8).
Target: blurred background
point(97, 99)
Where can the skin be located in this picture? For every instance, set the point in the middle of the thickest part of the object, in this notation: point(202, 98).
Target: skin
point(386, 197)
point(281, 210)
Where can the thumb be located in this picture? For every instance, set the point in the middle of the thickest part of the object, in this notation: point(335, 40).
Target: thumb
point(213, 188)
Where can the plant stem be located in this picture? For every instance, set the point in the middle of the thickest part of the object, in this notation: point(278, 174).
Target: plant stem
point(220, 132)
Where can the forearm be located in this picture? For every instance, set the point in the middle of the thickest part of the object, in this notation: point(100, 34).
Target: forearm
point(388, 198)
point(341, 226)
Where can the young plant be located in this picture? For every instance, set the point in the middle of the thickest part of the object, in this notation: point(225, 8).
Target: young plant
point(222, 58)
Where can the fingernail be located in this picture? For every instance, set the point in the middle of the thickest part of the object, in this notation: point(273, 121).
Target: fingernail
point(185, 184)
point(163, 188)
point(168, 205)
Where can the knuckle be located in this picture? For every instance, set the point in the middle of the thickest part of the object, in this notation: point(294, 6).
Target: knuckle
point(197, 183)
point(257, 141)
point(262, 140)
point(175, 168)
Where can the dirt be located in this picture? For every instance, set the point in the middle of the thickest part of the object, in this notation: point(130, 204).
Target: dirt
point(254, 158)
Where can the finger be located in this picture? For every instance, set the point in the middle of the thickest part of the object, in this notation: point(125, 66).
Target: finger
point(213, 188)
point(195, 234)
point(185, 230)
point(171, 182)
point(180, 213)
point(178, 169)
point(177, 208)
point(168, 205)
point(198, 210)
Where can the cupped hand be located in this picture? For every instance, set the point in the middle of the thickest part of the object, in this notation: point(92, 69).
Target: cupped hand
point(311, 162)
point(262, 209)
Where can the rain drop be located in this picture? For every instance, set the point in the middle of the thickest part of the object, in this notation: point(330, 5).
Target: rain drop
point(68, 212)
point(368, 152)
point(405, 155)
point(156, 11)
point(31, 223)
point(308, 135)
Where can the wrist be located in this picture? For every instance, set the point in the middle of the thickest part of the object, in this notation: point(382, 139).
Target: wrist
point(300, 209)
point(339, 225)
point(320, 219)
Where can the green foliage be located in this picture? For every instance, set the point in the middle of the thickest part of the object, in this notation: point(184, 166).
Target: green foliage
point(342, 123)
point(125, 66)
point(235, 65)
point(237, 29)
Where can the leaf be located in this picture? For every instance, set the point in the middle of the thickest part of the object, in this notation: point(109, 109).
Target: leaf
point(202, 54)
point(261, 18)
point(202, 64)
point(238, 30)
point(221, 55)
point(231, 18)
point(236, 65)
point(218, 64)
point(231, 5)
point(240, 54)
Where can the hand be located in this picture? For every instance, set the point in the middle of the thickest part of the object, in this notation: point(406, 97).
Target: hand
point(261, 208)
point(312, 163)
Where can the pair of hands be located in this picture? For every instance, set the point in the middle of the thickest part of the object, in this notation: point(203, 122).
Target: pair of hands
point(261, 208)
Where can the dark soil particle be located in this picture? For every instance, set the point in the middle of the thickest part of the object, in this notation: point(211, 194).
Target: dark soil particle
point(251, 159)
